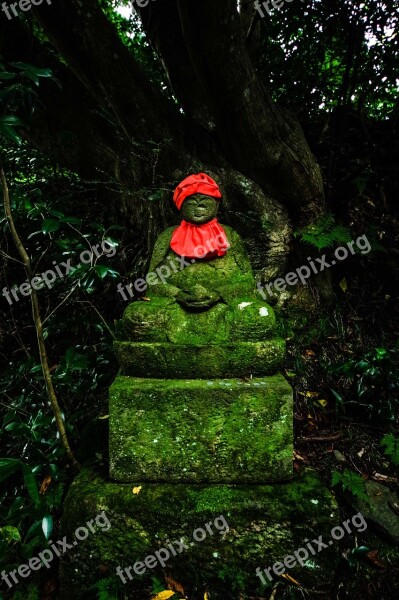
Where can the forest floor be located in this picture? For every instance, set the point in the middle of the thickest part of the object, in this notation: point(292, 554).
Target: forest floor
point(346, 379)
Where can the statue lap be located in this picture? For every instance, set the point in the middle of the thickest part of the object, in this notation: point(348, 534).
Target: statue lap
point(236, 314)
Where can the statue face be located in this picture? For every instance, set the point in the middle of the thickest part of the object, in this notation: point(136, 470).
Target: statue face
point(199, 209)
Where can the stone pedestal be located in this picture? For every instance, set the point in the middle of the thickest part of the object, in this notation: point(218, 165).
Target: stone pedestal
point(199, 361)
point(265, 524)
point(199, 430)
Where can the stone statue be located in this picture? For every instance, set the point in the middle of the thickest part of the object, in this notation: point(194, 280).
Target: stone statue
point(201, 285)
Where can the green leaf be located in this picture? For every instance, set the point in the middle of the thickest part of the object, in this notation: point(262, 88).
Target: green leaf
point(34, 530)
point(11, 120)
point(8, 466)
point(353, 482)
point(47, 526)
point(5, 75)
point(101, 270)
point(17, 428)
point(72, 220)
point(50, 225)
point(356, 554)
point(32, 76)
point(10, 534)
point(11, 133)
point(31, 484)
point(391, 445)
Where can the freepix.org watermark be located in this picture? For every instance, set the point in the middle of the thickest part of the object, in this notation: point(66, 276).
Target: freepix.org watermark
point(268, 6)
point(57, 549)
point(303, 273)
point(23, 5)
point(301, 555)
point(106, 248)
point(164, 271)
point(173, 548)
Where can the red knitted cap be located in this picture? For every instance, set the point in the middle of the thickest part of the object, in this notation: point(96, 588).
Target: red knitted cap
point(196, 184)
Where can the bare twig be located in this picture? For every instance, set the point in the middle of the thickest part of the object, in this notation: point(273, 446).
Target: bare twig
point(38, 325)
point(327, 438)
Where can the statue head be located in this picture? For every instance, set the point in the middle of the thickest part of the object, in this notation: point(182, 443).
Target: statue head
point(199, 209)
point(197, 196)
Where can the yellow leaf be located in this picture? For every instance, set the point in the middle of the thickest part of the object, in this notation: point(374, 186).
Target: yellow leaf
point(163, 595)
point(323, 403)
point(343, 285)
point(45, 485)
point(104, 417)
point(298, 456)
point(206, 597)
point(137, 490)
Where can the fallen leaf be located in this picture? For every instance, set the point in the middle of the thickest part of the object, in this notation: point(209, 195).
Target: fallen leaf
point(174, 585)
point(374, 560)
point(339, 456)
point(164, 595)
point(206, 597)
point(298, 456)
point(361, 452)
point(343, 285)
point(104, 417)
point(45, 485)
point(137, 490)
point(145, 299)
point(322, 402)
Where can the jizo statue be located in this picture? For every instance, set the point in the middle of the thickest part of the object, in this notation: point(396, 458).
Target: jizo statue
point(200, 282)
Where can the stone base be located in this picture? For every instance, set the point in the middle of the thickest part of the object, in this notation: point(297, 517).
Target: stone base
point(195, 430)
point(238, 359)
point(264, 525)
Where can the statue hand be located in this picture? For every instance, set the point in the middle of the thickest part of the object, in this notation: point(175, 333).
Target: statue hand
point(197, 297)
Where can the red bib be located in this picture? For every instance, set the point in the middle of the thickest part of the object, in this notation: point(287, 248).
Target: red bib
point(199, 241)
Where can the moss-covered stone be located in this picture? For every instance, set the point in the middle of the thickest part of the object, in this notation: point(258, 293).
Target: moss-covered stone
point(196, 430)
point(237, 359)
point(264, 524)
point(199, 301)
point(378, 506)
point(163, 320)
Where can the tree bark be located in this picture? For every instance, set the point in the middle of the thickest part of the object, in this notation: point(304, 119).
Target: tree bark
point(262, 141)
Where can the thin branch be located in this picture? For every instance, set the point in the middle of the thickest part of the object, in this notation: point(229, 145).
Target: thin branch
point(10, 257)
point(38, 325)
point(61, 303)
point(99, 314)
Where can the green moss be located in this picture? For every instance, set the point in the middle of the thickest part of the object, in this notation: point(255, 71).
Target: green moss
point(166, 360)
point(201, 430)
point(265, 523)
